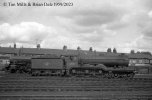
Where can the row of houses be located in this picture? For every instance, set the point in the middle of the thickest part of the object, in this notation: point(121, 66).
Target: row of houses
point(142, 62)
point(135, 58)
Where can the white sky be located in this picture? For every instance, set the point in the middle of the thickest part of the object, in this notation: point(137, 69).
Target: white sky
point(123, 24)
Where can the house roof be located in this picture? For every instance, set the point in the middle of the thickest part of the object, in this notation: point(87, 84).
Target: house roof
point(141, 56)
point(43, 51)
point(8, 50)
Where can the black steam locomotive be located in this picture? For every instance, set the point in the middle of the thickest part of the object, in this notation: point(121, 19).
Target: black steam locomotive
point(102, 66)
point(115, 66)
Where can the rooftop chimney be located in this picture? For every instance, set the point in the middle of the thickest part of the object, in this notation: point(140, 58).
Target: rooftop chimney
point(114, 50)
point(38, 46)
point(90, 49)
point(109, 50)
point(78, 48)
point(14, 45)
point(64, 47)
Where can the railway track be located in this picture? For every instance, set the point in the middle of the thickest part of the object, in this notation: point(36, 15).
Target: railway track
point(69, 79)
point(119, 83)
point(135, 97)
point(117, 95)
point(24, 87)
point(75, 83)
point(73, 88)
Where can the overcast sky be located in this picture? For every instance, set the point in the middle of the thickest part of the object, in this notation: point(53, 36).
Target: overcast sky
point(101, 24)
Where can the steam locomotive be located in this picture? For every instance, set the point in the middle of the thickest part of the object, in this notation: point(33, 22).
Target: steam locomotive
point(102, 66)
point(106, 66)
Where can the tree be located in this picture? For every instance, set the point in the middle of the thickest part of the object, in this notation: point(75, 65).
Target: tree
point(109, 50)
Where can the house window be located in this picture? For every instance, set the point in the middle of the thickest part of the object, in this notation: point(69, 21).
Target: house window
point(140, 61)
point(146, 61)
point(132, 61)
point(150, 61)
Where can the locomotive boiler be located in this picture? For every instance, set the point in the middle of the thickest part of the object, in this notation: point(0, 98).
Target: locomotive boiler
point(109, 61)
